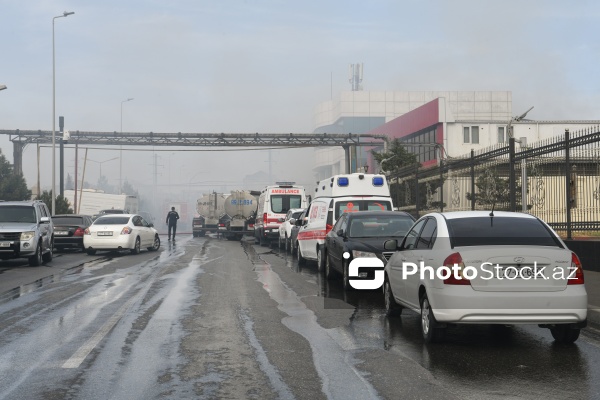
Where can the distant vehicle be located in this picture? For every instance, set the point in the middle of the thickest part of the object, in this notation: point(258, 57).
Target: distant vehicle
point(298, 223)
point(489, 268)
point(69, 229)
point(285, 229)
point(274, 202)
point(211, 208)
point(90, 201)
point(26, 231)
point(240, 206)
point(362, 234)
point(120, 232)
point(109, 211)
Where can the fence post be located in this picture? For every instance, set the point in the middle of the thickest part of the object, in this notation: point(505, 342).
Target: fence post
point(568, 182)
point(441, 184)
point(512, 186)
point(417, 190)
point(472, 179)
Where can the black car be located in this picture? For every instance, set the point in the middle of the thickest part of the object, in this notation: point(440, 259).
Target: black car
point(362, 234)
point(68, 230)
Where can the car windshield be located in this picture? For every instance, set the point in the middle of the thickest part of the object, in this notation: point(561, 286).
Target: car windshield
point(361, 205)
point(492, 231)
point(282, 203)
point(111, 221)
point(112, 212)
point(17, 214)
point(379, 226)
point(67, 220)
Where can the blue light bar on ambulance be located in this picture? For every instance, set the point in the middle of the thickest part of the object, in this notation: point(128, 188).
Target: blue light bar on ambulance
point(378, 181)
point(343, 181)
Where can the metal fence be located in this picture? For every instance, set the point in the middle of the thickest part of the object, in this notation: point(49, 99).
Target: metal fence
point(556, 179)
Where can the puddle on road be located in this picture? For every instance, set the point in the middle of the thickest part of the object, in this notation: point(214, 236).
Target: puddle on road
point(335, 366)
point(28, 288)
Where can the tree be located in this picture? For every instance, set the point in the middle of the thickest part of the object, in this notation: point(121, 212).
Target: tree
point(12, 186)
point(69, 184)
point(104, 185)
point(61, 203)
point(128, 189)
point(395, 158)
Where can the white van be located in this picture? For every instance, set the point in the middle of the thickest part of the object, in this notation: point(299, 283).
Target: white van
point(333, 197)
point(274, 202)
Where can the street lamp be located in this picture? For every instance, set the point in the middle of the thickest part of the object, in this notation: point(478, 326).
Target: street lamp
point(121, 150)
point(102, 162)
point(65, 14)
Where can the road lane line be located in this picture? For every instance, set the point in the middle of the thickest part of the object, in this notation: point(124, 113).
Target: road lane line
point(80, 355)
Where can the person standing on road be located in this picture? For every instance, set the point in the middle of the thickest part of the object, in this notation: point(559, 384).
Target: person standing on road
point(172, 218)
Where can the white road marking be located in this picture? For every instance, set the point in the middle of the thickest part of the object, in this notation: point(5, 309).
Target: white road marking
point(80, 355)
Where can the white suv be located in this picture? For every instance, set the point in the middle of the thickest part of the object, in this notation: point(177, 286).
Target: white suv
point(26, 231)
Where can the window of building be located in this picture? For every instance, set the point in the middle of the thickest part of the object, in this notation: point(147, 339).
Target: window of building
point(471, 134)
point(501, 137)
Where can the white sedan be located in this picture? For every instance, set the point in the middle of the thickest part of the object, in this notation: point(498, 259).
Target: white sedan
point(285, 229)
point(482, 267)
point(120, 232)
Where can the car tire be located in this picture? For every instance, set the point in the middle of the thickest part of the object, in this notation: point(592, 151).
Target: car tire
point(263, 241)
point(328, 271)
point(90, 252)
point(36, 259)
point(301, 259)
point(346, 276)
point(279, 242)
point(201, 234)
point(47, 257)
point(294, 247)
point(156, 245)
point(565, 334)
point(430, 328)
point(392, 309)
point(136, 246)
point(287, 245)
point(321, 254)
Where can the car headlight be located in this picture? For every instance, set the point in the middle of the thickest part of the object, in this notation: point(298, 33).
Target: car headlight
point(27, 235)
point(358, 254)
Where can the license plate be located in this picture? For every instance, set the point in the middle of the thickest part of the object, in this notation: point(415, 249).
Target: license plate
point(5, 244)
point(61, 233)
point(525, 272)
point(103, 233)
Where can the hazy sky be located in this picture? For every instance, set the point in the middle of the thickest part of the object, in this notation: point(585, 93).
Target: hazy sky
point(263, 66)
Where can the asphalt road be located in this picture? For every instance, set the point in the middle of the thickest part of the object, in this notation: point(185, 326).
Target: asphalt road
point(209, 318)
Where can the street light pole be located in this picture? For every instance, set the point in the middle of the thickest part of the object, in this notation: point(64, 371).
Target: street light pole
point(65, 14)
point(102, 162)
point(121, 150)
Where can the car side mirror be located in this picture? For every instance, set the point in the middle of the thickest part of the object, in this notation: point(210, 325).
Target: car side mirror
point(281, 219)
point(391, 244)
point(292, 221)
point(151, 225)
point(340, 232)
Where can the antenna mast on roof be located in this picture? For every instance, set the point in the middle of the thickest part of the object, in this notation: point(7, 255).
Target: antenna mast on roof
point(356, 76)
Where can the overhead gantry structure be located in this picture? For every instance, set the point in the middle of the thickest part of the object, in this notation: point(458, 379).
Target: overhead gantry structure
point(21, 138)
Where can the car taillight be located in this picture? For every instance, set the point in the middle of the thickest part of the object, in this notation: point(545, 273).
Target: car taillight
point(251, 226)
point(265, 220)
point(576, 279)
point(126, 230)
point(458, 278)
point(221, 225)
point(328, 228)
point(79, 232)
point(87, 231)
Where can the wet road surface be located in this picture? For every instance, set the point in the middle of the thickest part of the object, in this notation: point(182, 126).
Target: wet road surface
point(209, 318)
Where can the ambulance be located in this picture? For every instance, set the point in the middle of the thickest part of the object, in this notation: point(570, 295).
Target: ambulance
point(273, 204)
point(333, 197)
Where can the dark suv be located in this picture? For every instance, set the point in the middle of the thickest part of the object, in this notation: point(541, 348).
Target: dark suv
point(26, 231)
